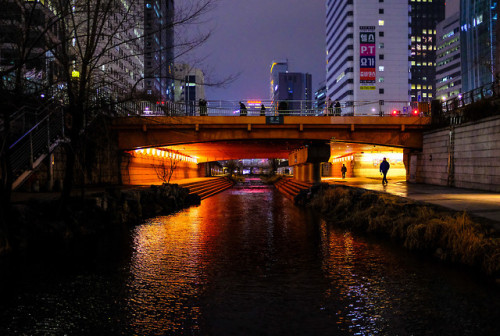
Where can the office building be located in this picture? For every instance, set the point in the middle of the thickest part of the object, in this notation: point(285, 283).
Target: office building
point(448, 67)
point(295, 89)
point(320, 96)
point(159, 48)
point(28, 50)
point(478, 42)
point(424, 16)
point(367, 55)
point(276, 69)
point(189, 84)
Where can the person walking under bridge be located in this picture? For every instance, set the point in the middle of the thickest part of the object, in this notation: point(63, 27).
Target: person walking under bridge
point(384, 168)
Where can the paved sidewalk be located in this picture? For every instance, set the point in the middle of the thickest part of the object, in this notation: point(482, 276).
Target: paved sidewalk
point(476, 202)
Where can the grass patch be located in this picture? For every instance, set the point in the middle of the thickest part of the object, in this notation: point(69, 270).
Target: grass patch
point(451, 236)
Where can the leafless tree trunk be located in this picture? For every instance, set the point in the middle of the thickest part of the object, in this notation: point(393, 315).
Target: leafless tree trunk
point(165, 167)
point(98, 46)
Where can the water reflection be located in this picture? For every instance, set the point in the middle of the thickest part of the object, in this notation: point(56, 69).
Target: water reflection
point(245, 262)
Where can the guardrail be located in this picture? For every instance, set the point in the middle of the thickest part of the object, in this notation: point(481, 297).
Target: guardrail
point(488, 91)
point(29, 150)
point(269, 108)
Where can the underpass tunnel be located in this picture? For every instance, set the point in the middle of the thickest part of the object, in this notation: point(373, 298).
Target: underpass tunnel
point(154, 165)
point(363, 161)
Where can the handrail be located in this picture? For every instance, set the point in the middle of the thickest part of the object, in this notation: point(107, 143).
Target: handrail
point(29, 150)
point(456, 110)
point(254, 108)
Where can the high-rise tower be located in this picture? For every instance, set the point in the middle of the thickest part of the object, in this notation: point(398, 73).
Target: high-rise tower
point(367, 55)
point(424, 16)
point(478, 38)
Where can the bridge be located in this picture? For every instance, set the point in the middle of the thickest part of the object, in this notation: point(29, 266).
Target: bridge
point(200, 136)
point(206, 139)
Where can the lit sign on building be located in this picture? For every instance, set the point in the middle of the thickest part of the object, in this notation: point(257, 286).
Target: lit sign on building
point(367, 49)
point(254, 103)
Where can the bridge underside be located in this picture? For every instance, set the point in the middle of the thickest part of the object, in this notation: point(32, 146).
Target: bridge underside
point(221, 138)
point(276, 149)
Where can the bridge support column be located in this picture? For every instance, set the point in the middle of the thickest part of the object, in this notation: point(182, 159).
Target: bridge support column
point(308, 172)
point(205, 169)
point(307, 162)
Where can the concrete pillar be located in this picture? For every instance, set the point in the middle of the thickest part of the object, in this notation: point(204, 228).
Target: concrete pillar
point(406, 162)
point(308, 172)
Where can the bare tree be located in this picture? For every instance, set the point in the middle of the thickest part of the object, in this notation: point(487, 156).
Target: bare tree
point(165, 167)
point(26, 71)
point(99, 48)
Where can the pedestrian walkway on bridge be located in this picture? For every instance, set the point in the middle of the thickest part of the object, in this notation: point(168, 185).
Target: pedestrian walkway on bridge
point(478, 203)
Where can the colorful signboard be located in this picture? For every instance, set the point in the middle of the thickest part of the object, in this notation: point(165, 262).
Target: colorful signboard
point(367, 52)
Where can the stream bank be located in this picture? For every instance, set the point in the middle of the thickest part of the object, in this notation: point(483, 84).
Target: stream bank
point(35, 223)
point(446, 234)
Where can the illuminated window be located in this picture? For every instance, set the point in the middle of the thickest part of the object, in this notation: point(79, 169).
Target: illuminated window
point(413, 63)
point(381, 80)
point(413, 86)
point(380, 68)
point(424, 31)
point(418, 87)
point(380, 22)
point(381, 45)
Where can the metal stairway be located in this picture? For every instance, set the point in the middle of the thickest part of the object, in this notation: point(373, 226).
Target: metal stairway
point(38, 133)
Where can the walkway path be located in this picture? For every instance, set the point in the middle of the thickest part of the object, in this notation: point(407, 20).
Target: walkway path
point(476, 202)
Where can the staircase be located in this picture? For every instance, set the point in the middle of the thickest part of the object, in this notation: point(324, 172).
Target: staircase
point(208, 187)
point(290, 187)
point(39, 137)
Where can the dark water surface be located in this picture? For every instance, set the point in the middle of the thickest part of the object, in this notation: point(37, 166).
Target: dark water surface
point(244, 262)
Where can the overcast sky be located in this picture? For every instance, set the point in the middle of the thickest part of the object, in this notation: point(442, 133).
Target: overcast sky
point(250, 34)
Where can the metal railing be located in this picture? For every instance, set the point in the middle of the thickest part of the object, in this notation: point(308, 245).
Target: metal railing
point(28, 151)
point(472, 105)
point(292, 108)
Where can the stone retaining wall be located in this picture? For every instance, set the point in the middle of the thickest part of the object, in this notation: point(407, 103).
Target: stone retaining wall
point(465, 156)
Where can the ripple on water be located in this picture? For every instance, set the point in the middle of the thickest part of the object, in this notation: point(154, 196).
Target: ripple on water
point(248, 262)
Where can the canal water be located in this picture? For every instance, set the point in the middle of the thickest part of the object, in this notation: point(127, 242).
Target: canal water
point(244, 262)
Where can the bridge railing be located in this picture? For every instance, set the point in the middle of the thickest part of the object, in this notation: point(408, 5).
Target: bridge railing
point(472, 105)
point(270, 108)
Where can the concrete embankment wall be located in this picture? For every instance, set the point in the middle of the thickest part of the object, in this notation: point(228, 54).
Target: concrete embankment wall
point(147, 170)
point(463, 156)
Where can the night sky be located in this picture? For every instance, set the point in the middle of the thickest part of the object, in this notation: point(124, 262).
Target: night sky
point(249, 34)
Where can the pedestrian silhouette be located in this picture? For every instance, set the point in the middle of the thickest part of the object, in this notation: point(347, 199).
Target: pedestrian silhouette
point(262, 110)
point(338, 111)
point(343, 170)
point(243, 110)
point(329, 108)
point(203, 107)
point(384, 168)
